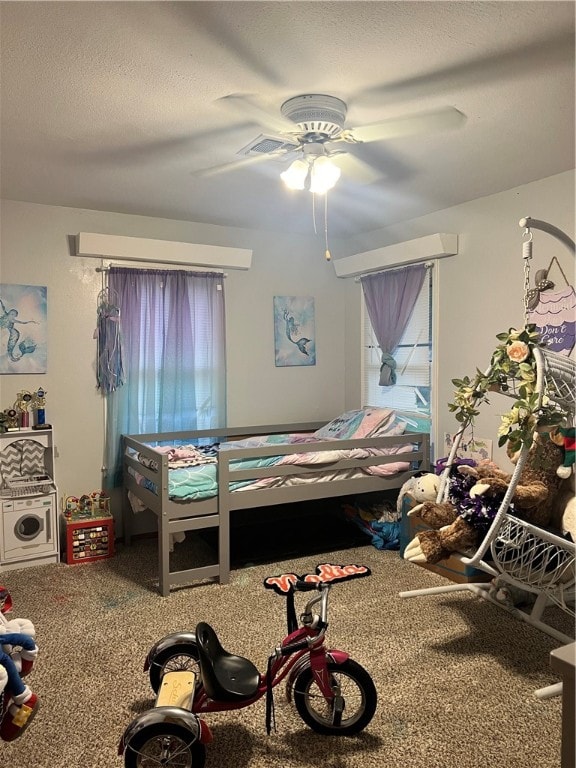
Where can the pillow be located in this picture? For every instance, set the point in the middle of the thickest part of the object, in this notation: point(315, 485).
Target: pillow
point(362, 422)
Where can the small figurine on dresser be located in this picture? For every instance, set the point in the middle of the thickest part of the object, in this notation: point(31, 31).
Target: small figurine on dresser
point(23, 405)
point(39, 406)
point(9, 420)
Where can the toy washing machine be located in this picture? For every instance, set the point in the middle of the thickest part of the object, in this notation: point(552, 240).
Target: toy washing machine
point(29, 531)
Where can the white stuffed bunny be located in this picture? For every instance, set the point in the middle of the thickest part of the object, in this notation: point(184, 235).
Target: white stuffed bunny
point(420, 488)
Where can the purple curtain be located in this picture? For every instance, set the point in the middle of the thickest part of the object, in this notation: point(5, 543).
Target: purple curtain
point(390, 298)
point(173, 331)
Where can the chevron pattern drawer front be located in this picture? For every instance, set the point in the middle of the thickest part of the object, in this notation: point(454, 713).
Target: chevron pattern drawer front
point(22, 458)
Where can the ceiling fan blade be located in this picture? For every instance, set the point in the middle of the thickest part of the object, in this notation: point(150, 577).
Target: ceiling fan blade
point(125, 151)
point(518, 63)
point(215, 23)
point(242, 162)
point(249, 108)
point(355, 169)
point(423, 122)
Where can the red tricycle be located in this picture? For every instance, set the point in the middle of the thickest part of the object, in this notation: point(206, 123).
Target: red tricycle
point(192, 675)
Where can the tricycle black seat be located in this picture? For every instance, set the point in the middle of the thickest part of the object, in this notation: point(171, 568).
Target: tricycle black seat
point(225, 677)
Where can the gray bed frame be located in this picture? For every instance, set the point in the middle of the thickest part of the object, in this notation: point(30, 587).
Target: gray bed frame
point(181, 516)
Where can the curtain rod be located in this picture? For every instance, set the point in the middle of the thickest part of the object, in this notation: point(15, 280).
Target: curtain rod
point(427, 264)
point(173, 267)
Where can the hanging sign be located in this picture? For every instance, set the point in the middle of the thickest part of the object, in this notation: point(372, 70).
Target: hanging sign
point(555, 318)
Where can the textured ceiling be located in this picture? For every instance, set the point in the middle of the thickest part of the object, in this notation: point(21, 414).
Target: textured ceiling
point(114, 105)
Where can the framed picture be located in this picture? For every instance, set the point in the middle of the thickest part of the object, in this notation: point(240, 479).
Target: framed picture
point(23, 321)
point(294, 332)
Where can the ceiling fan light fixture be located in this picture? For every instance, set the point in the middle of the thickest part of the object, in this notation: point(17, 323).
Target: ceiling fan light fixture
point(323, 175)
point(295, 176)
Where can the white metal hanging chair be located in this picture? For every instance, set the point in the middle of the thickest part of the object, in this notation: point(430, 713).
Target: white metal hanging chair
point(521, 554)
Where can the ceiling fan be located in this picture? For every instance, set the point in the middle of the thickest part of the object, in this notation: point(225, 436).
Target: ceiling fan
point(311, 132)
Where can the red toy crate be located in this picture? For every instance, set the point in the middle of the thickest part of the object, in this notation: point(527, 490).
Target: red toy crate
point(89, 539)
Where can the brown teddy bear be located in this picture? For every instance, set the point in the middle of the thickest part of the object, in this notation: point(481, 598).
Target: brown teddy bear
point(533, 500)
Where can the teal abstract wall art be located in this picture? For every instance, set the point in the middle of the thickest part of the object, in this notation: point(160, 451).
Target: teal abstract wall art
point(294, 331)
point(23, 328)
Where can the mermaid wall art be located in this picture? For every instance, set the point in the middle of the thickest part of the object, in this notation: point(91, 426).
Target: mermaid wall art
point(294, 333)
point(23, 320)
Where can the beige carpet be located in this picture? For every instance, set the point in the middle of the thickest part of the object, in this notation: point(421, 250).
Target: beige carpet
point(455, 675)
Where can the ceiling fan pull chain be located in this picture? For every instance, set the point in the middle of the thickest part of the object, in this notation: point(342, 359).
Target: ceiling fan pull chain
point(327, 254)
point(314, 213)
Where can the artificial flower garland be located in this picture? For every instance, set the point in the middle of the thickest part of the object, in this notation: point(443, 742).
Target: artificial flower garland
point(512, 361)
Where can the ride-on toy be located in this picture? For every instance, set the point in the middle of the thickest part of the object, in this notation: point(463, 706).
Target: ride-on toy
point(192, 674)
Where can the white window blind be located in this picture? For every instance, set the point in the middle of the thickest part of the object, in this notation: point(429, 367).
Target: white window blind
point(413, 358)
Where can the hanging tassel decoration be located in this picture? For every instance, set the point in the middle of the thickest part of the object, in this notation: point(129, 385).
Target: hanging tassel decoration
point(109, 368)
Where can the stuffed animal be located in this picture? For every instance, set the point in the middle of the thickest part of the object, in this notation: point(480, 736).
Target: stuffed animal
point(564, 509)
point(457, 527)
point(22, 704)
point(3, 680)
point(24, 657)
point(568, 521)
point(567, 437)
point(18, 652)
point(502, 591)
point(420, 488)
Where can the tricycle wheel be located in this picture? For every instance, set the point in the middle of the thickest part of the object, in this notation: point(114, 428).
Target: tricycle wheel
point(166, 744)
point(352, 708)
point(175, 658)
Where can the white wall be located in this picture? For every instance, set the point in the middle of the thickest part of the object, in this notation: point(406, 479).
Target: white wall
point(480, 295)
point(35, 250)
point(480, 289)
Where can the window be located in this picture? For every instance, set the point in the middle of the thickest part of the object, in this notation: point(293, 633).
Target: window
point(413, 355)
point(173, 350)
